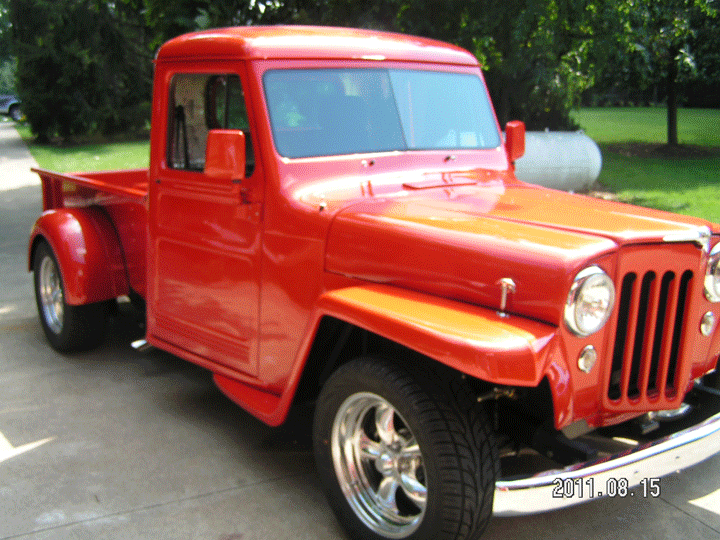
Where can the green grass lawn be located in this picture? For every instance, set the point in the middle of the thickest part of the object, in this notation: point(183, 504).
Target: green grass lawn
point(687, 186)
point(649, 125)
point(688, 183)
point(88, 157)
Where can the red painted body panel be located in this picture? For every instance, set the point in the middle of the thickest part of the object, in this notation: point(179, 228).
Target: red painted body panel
point(452, 248)
point(204, 247)
point(408, 245)
point(79, 189)
point(88, 253)
point(298, 42)
point(512, 351)
point(122, 195)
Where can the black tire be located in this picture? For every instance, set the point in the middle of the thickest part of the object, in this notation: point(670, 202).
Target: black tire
point(435, 482)
point(16, 113)
point(67, 328)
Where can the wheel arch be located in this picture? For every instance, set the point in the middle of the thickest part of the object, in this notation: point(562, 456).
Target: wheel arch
point(421, 331)
point(87, 250)
point(338, 341)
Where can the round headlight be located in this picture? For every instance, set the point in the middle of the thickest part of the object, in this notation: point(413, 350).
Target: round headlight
point(590, 302)
point(712, 276)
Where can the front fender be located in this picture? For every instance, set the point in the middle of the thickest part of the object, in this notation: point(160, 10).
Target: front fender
point(476, 341)
point(511, 351)
point(88, 252)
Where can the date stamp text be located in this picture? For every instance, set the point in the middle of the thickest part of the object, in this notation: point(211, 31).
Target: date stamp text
point(589, 488)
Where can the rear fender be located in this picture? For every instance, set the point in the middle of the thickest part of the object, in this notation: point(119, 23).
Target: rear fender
point(88, 252)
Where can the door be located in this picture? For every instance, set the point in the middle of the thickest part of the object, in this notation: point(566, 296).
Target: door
point(206, 233)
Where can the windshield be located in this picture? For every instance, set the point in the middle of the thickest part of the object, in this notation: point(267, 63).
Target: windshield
point(347, 111)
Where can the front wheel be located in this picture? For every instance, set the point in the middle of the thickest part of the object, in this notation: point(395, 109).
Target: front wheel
point(403, 460)
point(67, 328)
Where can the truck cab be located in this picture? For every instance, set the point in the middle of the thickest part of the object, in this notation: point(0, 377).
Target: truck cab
point(331, 219)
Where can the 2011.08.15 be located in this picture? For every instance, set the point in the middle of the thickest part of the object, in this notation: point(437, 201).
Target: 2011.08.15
point(586, 488)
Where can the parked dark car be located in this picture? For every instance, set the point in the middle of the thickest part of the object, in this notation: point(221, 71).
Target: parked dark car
point(10, 106)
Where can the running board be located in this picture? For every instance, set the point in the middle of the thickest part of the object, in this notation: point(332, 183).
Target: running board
point(141, 345)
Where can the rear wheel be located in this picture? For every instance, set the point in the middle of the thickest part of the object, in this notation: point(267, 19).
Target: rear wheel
point(67, 328)
point(400, 459)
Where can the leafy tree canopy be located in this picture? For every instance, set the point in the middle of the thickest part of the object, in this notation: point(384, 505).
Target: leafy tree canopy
point(84, 64)
point(539, 56)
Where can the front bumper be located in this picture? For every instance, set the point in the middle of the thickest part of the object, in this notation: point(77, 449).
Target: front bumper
point(545, 491)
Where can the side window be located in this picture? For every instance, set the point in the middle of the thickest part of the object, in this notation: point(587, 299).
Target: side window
point(188, 129)
point(199, 103)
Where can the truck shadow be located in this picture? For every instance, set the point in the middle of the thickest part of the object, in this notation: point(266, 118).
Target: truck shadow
point(181, 389)
point(206, 401)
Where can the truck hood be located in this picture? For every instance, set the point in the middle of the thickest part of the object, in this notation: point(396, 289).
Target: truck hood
point(459, 242)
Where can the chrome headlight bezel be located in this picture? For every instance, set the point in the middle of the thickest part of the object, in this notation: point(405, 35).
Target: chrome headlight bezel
point(712, 275)
point(591, 291)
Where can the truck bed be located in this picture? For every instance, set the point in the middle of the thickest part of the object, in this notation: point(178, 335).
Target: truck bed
point(122, 195)
point(61, 190)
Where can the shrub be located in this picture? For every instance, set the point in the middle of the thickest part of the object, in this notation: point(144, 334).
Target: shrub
point(81, 69)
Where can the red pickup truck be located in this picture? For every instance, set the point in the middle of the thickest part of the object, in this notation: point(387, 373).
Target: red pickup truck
point(330, 217)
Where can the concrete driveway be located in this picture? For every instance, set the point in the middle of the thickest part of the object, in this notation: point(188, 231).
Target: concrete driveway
point(114, 444)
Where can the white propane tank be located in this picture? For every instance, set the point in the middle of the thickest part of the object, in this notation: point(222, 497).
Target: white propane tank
point(565, 160)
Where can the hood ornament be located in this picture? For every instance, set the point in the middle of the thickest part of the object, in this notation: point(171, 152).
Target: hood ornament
point(507, 286)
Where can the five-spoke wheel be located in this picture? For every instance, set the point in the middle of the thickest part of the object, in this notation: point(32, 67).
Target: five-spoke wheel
point(379, 465)
point(402, 457)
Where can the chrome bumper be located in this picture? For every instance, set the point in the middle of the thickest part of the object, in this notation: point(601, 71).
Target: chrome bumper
point(542, 493)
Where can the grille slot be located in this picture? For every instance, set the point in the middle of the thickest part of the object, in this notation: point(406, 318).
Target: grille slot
point(649, 336)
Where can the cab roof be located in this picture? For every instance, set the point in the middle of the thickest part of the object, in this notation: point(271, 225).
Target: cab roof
point(311, 43)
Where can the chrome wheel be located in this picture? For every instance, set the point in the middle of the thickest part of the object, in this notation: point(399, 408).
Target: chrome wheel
point(379, 465)
point(52, 300)
point(67, 327)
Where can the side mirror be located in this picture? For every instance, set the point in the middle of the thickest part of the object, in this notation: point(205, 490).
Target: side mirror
point(515, 140)
point(225, 155)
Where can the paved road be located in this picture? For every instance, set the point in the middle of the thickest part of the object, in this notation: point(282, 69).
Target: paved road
point(118, 445)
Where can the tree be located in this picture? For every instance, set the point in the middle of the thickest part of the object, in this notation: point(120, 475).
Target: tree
point(704, 89)
point(659, 45)
point(541, 56)
point(166, 20)
point(8, 62)
point(83, 66)
point(538, 55)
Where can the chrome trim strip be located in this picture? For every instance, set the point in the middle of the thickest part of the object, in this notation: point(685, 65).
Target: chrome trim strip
point(659, 458)
point(700, 236)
